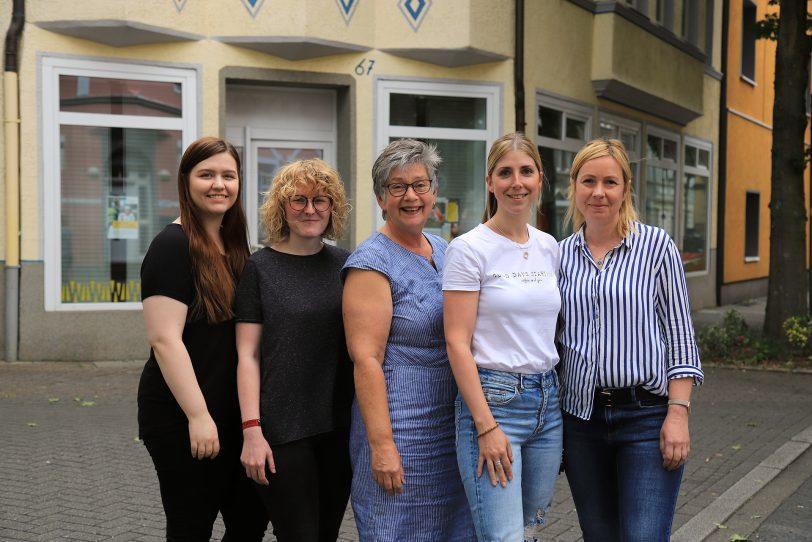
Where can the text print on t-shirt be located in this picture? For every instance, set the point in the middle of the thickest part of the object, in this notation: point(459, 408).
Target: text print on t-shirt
point(524, 277)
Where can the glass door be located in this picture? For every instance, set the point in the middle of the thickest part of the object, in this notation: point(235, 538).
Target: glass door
point(264, 160)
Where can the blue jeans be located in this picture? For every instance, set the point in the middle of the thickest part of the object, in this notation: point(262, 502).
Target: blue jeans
point(527, 410)
point(615, 470)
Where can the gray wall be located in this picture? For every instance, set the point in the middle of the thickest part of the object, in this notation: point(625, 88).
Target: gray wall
point(742, 291)
point(702, 288)
point(74, 335)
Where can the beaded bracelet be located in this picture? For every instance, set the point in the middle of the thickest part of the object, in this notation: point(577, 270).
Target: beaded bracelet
point(488, 430)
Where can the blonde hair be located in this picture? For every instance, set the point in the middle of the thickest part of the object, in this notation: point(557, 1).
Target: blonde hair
point(598, 148)
point(515, 141)
point(290, 176)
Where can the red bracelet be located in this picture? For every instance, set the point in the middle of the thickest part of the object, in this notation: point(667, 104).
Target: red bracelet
point(251, 423)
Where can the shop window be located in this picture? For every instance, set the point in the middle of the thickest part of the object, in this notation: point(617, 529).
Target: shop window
point(462, 120)
point(661, 181)
point(628, 132)
point(752, 206)
point(748, 53)
point(112, 139)
point(695, 206)
point(562, 129)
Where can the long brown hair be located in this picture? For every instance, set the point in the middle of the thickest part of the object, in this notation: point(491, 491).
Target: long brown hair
point(515, 141)
point(214, 275)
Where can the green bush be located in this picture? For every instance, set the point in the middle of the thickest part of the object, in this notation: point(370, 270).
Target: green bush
point(798, 332)
point(732, 340)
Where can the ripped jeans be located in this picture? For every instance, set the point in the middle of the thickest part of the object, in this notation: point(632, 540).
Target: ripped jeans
point(527, 409)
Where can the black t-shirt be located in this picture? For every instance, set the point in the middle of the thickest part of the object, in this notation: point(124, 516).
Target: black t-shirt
point(167, 271)
point(306, 384)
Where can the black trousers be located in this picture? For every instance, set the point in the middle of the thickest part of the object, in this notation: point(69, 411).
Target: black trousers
point(193, 491)
point(307, 496)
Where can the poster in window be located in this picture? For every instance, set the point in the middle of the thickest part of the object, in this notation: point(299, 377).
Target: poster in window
point(122, 217)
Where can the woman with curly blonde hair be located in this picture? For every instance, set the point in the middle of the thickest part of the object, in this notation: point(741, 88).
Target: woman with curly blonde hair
point(294, 375)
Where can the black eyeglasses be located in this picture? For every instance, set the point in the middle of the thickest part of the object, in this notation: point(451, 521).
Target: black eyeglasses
point(320, 203)
point(399, 189)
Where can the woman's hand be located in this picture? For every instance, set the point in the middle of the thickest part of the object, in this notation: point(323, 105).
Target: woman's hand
point(255, 454)
point(496, 454)
point(387, 469)
point(203, 436)
point(675, 442)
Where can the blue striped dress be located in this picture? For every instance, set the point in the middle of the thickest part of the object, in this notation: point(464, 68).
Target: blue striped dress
point(420, 391)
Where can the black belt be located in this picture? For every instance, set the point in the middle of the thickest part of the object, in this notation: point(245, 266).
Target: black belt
point(608, 397)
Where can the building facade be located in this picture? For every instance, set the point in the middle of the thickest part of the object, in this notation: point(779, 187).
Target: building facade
point(747, 130)
point(110, 93)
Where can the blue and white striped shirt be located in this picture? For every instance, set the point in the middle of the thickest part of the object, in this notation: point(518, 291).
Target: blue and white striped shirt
point(627, 324)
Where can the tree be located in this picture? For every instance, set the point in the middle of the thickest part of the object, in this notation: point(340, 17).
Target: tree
point(787, 290)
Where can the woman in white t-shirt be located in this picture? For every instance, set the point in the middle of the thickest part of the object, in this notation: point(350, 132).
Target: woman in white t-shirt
point(501, 303)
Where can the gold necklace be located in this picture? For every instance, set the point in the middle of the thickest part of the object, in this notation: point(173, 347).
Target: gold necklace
point(503, 234)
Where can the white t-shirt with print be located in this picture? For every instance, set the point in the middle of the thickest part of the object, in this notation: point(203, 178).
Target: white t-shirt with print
point(519, 299)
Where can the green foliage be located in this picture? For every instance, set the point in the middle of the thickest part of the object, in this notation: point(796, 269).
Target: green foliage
point(731, 340)
point(798, 332)
point(767, 28)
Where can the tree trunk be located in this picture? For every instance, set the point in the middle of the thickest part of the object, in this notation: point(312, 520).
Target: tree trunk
point(787, 290)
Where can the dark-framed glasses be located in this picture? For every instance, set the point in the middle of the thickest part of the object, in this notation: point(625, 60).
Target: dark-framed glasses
point(320, 203)
point(399, 189)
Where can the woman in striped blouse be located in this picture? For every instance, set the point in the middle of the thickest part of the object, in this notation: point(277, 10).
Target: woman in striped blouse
point(629, 356)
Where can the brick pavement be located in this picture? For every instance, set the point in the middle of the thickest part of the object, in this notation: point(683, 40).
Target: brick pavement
point(74, 472)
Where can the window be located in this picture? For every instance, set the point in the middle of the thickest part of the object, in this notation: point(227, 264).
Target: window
point(562, 129)
point(628, 132)
point(690, 21)
point(751, 225)
point(695, 205)
point(748, 70)
point(661, 180)
point(462, 120)
point(639, 5)
point(665, 13)
point(112, 133)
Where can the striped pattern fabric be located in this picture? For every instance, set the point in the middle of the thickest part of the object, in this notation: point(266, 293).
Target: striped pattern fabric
point(420, 392)
point(626, 324)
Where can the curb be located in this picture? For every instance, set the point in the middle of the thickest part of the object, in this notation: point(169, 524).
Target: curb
point(706, 522)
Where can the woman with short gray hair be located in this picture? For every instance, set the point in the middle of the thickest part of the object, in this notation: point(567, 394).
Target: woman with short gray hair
point(406, 485)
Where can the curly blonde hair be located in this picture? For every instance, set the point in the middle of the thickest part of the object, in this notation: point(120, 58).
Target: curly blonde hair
point(314, 172)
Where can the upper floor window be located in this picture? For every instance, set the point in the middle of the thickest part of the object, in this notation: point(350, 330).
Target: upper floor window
point(665, 13)
point(748, 70)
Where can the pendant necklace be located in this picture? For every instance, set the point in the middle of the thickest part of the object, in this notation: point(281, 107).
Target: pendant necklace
point(523, 249)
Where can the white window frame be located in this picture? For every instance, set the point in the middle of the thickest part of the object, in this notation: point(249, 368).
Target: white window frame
point(699, 144)
point(675, 165)
point(569, 109)
point(51, 68)
point(635, 156)
point(384, 131)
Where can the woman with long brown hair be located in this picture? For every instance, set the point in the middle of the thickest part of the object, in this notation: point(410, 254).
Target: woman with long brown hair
point(188, 412)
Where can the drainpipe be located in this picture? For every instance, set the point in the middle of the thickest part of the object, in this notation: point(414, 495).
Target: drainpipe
point(518, 66)
point(722, 196)
point(11, 117)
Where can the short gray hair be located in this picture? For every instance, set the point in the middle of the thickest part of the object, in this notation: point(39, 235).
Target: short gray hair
point(399, 154)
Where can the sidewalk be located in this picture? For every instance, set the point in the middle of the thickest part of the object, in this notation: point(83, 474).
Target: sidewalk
point(72, 468)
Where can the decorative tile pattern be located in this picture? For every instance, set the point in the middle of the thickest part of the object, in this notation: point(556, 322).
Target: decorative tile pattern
point(414, 11)
point(179, 5)
point(253, 6)
point(347, 8)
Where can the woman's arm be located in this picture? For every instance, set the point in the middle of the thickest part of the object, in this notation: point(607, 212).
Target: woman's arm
point(459, 317)
point(675, 441)
point(367, 308)
point(165, 318)
point(255, 449)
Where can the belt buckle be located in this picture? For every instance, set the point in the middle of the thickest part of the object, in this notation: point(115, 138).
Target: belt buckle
point(606, 397)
